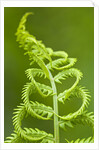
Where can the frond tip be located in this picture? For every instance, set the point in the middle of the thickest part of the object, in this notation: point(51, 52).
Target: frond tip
point(35, 49)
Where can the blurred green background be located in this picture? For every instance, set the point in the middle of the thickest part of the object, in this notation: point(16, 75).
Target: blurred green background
point(69, 29)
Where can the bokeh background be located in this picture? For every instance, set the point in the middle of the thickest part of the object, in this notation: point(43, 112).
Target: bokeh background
point(69, 29)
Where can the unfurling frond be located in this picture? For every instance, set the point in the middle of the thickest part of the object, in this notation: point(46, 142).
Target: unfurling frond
point(45, 114)
point(73, 72)
point(65, 74)
point(83, 94)
point(29, 42)
point(60, 64)
point(29, 89)
point(34, 48)
point(42, 110)
point(34, 72)
point(47, 61)
point(84, 118)
point(35, 135)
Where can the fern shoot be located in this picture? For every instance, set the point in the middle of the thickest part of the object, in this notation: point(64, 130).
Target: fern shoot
point(48, 61)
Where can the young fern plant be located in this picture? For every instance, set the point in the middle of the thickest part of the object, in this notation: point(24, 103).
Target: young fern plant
point(38, 53)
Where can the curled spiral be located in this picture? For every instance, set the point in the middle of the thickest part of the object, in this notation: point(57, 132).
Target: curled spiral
point(57, 60)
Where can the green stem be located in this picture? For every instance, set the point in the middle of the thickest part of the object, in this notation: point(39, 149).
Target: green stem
point(55, 106)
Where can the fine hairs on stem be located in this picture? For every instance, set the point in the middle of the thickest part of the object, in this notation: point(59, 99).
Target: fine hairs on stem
point(39, 53)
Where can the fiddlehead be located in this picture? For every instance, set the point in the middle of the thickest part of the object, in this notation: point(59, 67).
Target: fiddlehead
point(56, 60)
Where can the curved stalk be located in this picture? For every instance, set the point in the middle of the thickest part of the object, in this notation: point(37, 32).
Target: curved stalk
point(55, 106)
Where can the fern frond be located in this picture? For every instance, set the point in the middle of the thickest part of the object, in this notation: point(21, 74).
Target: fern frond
point(20, 112)
point(38, 134)
point(27, 90)
point(14, 138)
point(58, 64)
point(35, 135)
point(84, 140)
point(47, 60)
point(33, 72)
point(64, 124)
point(34, 109)
point(35, 49)
point(73, 72)
point(62, 76)
point(30, 88)
point(61, 63)
point(84, 118)
point(43, 90)
point(42, 109)
point(40, 62)
point(29, 42)
point(84, 95)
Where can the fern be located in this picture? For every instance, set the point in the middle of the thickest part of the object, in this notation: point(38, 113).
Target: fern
point(39, 53)
point(84, 118)
point(88, 140)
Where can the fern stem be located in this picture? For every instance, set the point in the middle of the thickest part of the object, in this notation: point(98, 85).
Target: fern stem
point(55, 106)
